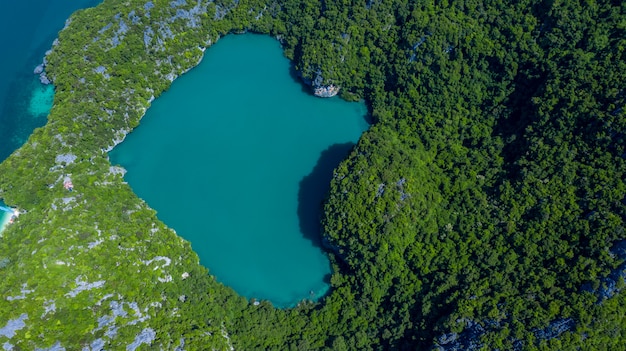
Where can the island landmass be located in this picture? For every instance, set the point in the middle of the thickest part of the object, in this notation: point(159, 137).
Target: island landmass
point(484, 208)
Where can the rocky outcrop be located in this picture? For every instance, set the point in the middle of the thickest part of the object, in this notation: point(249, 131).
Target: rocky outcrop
point(44, 79)
point(321, 87)
point(13, 325)
point(326, 90)
point(610, 285)
point(469, 339)
point(146, 336)
point(555, 328)
point(40, 70)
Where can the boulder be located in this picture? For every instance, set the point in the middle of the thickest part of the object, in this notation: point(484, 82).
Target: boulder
point(38, 69)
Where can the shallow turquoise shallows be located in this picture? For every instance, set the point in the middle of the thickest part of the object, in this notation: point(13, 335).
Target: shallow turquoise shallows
point(5, 216)
point(237, 157)
point(28, 28)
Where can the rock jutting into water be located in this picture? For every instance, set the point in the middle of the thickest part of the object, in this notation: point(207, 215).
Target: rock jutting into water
point(38, 69)
point(44, 79)
point(323, 90)
point(321, 87)
point(326, 91)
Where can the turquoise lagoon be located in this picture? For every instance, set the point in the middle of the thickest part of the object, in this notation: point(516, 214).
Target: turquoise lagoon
point(29, 27)
point(237, 157)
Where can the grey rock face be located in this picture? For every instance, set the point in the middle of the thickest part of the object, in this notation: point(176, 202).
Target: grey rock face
point(326, 91)
point(555, 328)
point(321, 89)
point(13, 326)
point(44, 79)
point(145, 337)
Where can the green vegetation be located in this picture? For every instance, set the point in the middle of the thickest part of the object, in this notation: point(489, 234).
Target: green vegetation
point(489, 191)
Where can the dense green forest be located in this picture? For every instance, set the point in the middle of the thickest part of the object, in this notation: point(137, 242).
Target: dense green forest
point(484, 209)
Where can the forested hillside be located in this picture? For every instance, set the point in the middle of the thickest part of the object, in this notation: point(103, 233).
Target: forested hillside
point(484, 208)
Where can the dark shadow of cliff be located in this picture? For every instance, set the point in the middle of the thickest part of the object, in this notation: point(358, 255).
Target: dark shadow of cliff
point(306, 88)
point(297, 77)
point(314, 189)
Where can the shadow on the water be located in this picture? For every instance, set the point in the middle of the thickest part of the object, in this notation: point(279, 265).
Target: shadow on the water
point(297, 77)
point(314, 189)
point(306, 88)
point(369, 116)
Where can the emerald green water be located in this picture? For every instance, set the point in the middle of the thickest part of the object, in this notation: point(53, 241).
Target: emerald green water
point(237, 157)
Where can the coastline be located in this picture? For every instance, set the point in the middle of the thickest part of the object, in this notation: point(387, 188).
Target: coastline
point(5, 217)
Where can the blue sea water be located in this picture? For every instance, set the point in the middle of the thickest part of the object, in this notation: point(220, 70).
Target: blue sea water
point(237, 157)
point(28, 29)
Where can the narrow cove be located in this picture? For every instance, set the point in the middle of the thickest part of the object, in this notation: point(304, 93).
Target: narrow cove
point(237, 157)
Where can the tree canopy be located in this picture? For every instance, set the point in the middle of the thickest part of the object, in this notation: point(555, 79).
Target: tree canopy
point(484, 208)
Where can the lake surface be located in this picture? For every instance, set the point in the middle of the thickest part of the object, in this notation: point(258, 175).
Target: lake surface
point(29, 27)
point(237, 157)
